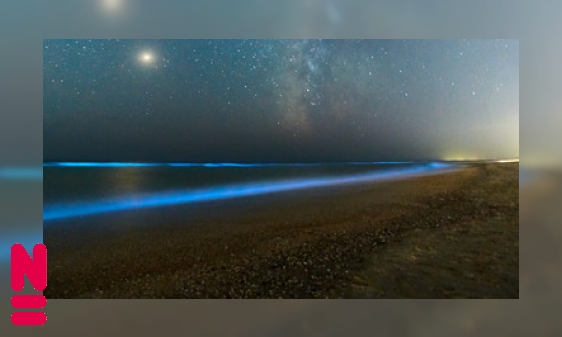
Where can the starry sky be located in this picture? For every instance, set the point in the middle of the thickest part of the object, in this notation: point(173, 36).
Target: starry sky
point(280, 100)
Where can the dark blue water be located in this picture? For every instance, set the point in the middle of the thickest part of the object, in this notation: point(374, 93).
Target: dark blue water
point(82, 190)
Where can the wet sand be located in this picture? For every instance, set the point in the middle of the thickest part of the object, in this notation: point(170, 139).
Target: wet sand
point(448, 236)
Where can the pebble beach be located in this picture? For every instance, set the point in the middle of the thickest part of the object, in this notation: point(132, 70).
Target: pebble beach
point(453, 235)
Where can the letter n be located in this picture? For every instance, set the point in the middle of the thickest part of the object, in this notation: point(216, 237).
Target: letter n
point(22, 264)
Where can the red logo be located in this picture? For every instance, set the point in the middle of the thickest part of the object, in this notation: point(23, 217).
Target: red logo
point(36, 270)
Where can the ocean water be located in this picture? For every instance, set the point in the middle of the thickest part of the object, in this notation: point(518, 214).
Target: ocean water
point(82, 190)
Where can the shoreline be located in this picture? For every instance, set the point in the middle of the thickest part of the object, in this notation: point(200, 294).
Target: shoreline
point(305, 244)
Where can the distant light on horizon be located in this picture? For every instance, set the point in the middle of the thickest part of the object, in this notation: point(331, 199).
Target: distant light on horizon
point(515, 160)
point(462, 157)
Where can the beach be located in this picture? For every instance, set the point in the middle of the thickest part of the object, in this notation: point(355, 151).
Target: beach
point(453, 235)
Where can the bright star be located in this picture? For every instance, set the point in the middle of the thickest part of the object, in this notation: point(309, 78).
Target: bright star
point(112, 5)
point(146, 57)
point(116, 10)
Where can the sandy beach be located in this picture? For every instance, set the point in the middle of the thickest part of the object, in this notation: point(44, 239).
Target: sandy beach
point(454, 235)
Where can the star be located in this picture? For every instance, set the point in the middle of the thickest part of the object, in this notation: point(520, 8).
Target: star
point(113, 8)
point(112, 5)
point(146, 57)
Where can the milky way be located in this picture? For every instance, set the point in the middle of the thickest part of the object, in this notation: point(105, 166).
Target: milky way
point(280, 100)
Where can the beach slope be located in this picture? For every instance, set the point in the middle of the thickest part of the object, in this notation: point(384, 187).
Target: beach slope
point(454, 235)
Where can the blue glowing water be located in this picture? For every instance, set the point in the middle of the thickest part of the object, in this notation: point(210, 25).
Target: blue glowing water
point(83, 189)
point(121, 164)
point(21, 173)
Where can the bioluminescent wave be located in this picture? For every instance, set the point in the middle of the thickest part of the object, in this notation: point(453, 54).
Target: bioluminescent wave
point(124, 164)
point(21, 173)
point(69, 210)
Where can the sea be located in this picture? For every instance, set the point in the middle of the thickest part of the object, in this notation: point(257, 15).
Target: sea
point(78, 190)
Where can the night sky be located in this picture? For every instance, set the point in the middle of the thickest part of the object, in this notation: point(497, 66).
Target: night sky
point(280, 100)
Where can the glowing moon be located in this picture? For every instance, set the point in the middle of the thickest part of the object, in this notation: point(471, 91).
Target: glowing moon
point(112, 7)
point(146, 57)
